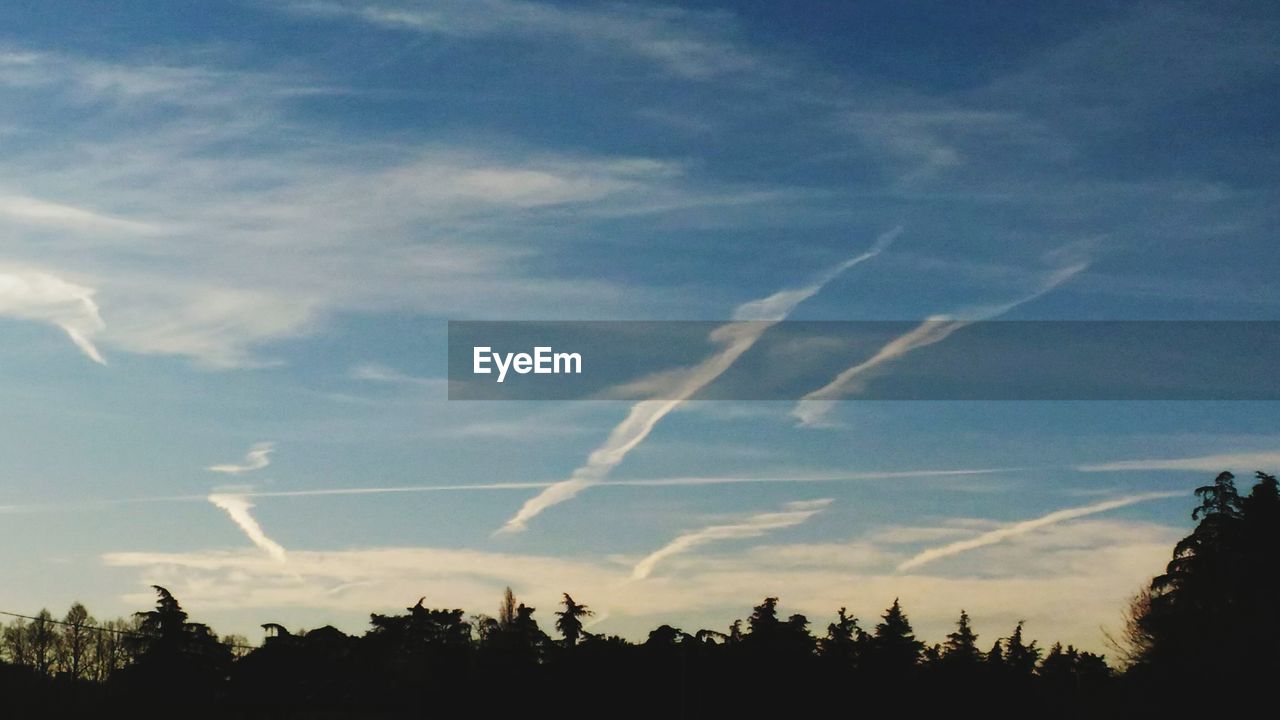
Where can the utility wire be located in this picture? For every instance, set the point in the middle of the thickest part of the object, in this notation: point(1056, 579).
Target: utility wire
point(99, 628)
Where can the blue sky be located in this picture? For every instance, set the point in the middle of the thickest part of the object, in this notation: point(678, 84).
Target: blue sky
point(259, 216)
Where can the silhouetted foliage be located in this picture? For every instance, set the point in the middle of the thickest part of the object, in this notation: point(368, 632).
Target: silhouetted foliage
point(1210, 619)
point(1201, 637)
point(894, 648)
point(960, 651)
point(570, 620)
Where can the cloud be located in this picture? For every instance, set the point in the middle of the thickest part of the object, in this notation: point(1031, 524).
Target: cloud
point(1066, 580)
point(1008, 532)
point(752, 319)
point(686, 43)
point(377, 372)
point(43, 213)
point(1241, 462)
point(813, 409)
point(39, 296)
point(792, 514)
point(215, 256)
point(238, 506)
point(258, 457)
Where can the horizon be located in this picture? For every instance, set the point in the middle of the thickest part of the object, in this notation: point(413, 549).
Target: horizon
point(235, 237)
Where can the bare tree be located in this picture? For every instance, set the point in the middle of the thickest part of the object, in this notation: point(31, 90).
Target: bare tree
point(42, 639)
point(17, 647)
point(76, 644)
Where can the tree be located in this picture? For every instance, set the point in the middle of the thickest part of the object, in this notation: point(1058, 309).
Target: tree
point(507, 609)
point(42, 642)
point(843, 640)
point(1190, 611)
point(894, 645)
point(995, 657)
point(77, 641)
point(174, 657)
point(17, 644)
point(961, 647)
point(110, 648)
point(1019, 656)
point(570, 620)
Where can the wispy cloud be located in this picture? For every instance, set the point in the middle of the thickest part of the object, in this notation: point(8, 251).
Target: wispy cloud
point(237, 507)
point(753, 319)
point(258, 457)
point(34, 211)
point(185, 243)
point(813, 409)
point(1008, 532)
point(39, 296)
point(377, 372)
point(1069, 579)
point(792, 514)
point(1240, 462)
point(686, 43)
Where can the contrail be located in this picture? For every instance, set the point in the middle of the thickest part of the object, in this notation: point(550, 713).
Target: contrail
point(792, 514)
point(813, 409)
point(237, 506)
point(258, 457)
point(29, 295)
point(1022, 528)
point(752, 319)
point(691, 481)
point(1203, 463)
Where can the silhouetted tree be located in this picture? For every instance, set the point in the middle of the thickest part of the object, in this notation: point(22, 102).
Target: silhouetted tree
point(1019, 656)
point(961, 648)
point(76, 642)
point(569, 621)
point(174, 658)
point(894, 646)
point(507, 609)
point(843, 641)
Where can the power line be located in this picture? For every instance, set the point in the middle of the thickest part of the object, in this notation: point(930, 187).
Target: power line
point(99, 628)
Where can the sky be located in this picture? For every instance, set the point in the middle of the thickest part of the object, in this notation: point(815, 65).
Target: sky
point(232, 235)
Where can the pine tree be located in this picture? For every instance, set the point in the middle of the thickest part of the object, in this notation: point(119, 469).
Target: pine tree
point(1020, 657)
point(894, 644)
point(843, 639)
point(995, 656)
point(961, 647)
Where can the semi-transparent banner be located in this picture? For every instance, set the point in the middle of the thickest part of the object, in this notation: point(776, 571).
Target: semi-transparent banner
point(935, 359)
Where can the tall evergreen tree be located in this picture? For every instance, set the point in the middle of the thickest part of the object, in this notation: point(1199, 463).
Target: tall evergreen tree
point(1020, 656)
point(961, 647)
point(894, 644)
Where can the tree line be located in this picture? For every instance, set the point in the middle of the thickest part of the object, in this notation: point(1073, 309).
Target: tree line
point(1208, 622)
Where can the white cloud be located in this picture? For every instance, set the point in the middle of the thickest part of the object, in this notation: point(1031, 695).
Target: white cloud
point(752, 319)
point(43, 213)
point(1067, 581)
point(237, 507)
point(33, 295)
point(1014, 530)
point(686, 43)
point(792, 514)
point(258, 457)
point(379, 373)
point(214, 256)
